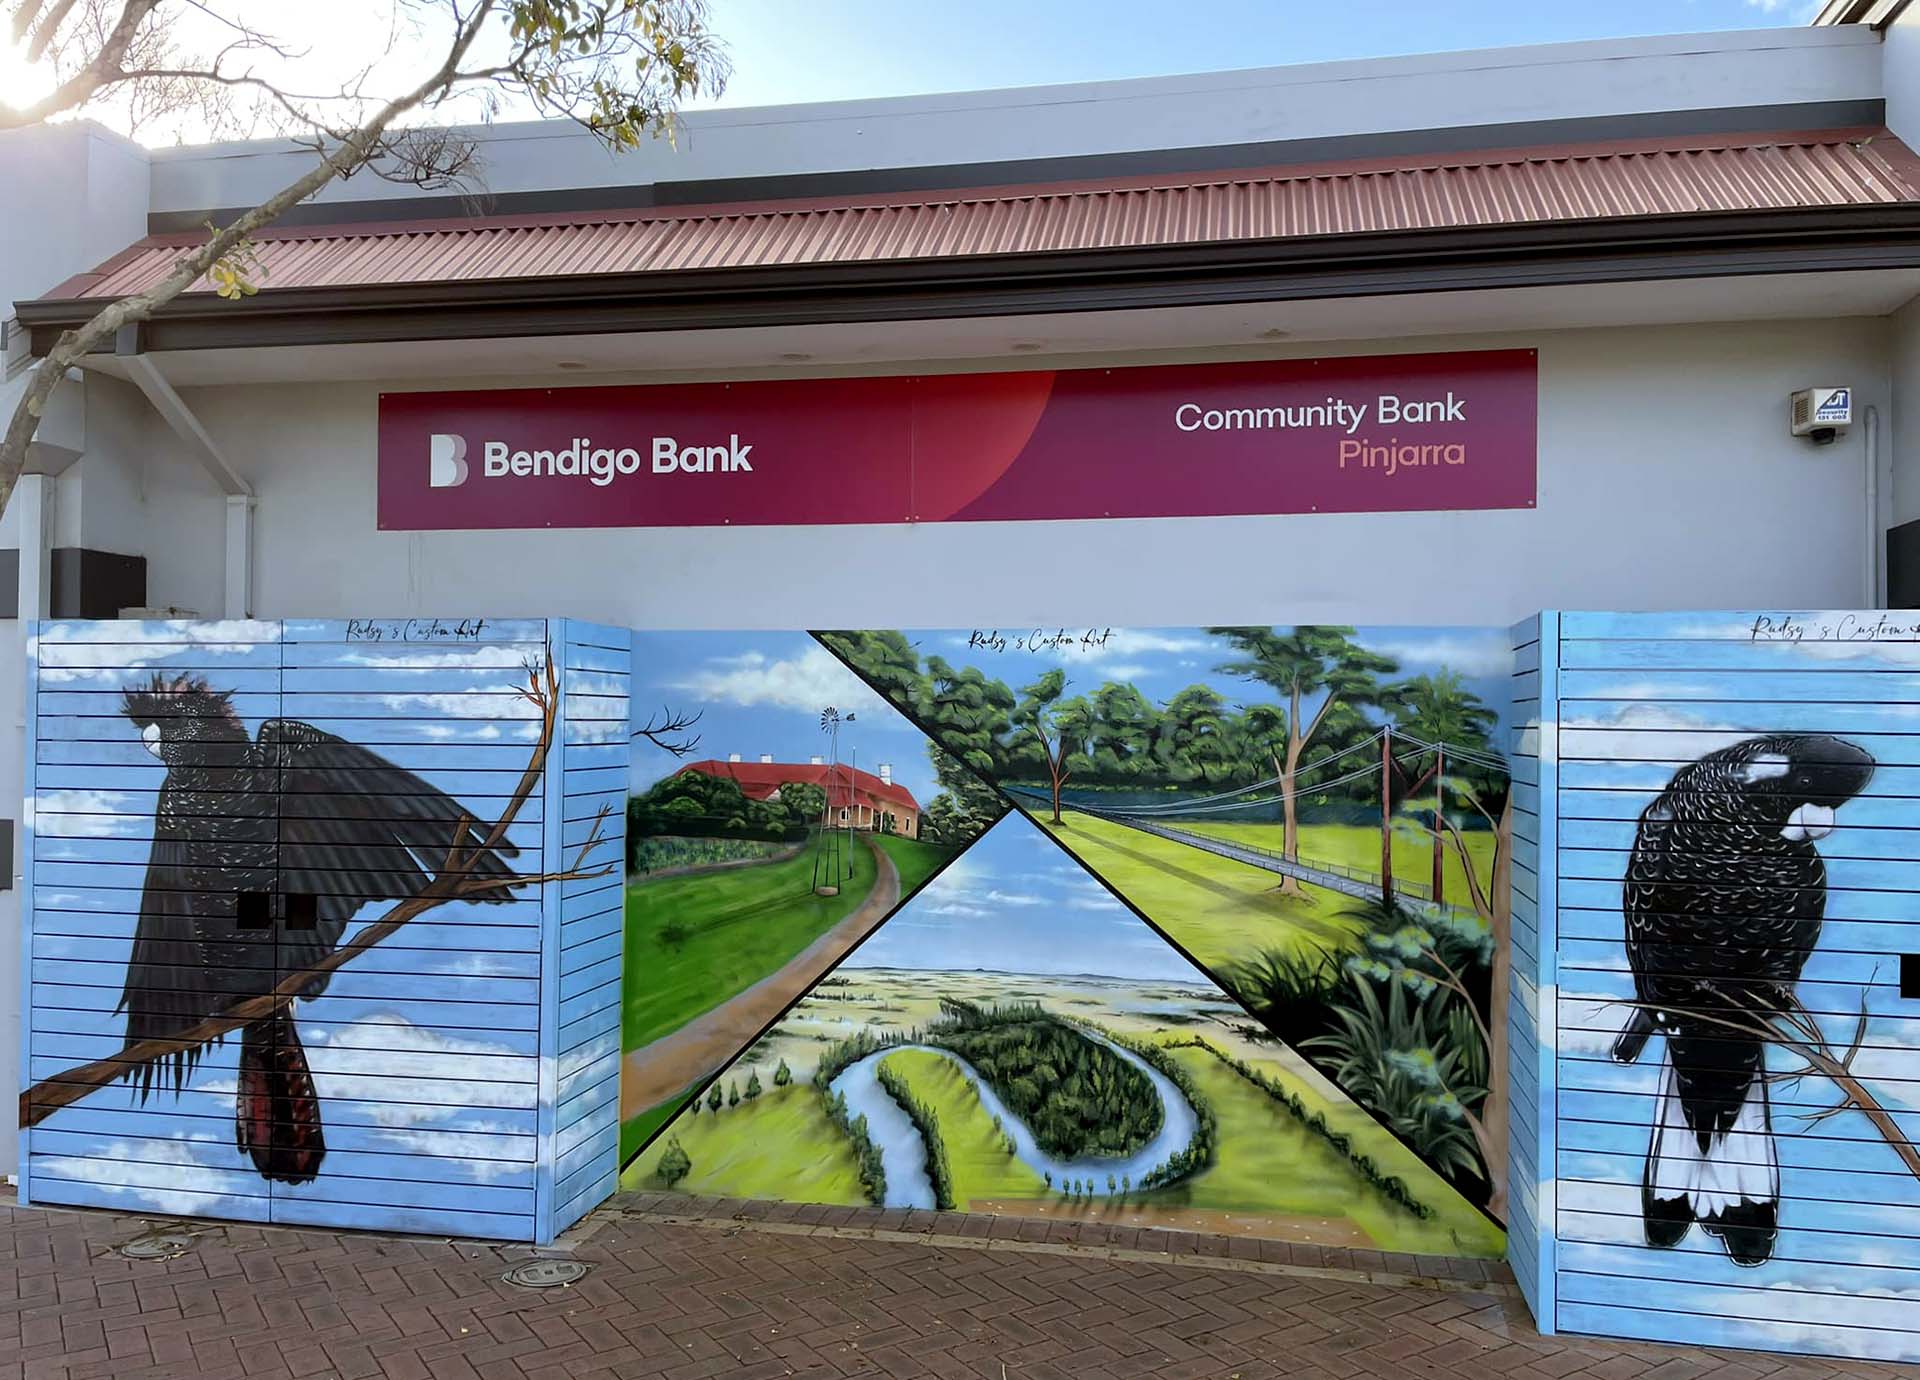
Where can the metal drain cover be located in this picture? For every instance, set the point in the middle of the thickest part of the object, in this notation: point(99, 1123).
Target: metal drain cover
point(157, 1246)
point(545, 1274)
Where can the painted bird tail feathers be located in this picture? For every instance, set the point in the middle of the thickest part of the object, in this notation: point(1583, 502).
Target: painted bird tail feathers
point(1728, 1182)
point(277, 1116)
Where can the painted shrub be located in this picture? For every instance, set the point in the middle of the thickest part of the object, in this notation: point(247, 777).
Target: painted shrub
point(1317, 816)
point(1014, 1039)
point(779, 811)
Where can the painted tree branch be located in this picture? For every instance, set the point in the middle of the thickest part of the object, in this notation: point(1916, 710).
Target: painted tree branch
point(1796, 1031)
point(454, 880)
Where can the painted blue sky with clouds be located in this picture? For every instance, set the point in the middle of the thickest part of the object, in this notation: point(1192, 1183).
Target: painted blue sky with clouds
point(1015, 902)
point(762, 692)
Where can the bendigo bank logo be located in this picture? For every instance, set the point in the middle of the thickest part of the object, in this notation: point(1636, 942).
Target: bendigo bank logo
point(447, 460)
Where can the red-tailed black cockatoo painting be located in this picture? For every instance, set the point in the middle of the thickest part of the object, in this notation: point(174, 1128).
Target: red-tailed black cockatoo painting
point(263, 850)
point(1725, 893)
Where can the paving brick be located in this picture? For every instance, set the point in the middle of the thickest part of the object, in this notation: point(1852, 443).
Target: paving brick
point(759, 1291)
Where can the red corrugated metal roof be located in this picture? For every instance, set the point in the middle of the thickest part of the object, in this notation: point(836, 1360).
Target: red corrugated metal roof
point(1778, 172)
point(758, 780)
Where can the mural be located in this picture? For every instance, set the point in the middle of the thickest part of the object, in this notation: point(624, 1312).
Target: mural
point(225, 858)
point(1736, 1113)
point(308, 836)
point(1016, 1040)
point(1725, 892)
point(780, 810)
point(1317, 816)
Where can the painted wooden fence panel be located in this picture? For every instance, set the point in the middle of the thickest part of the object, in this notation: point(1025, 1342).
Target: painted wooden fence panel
point(1530, 1248)
point(351, 811)
point(1733, 1095)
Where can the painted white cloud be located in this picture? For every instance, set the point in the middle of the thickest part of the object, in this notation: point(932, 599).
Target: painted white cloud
point(141, 644)
point(1626, 733)
point(476, 702)
point(809, 682)
point(400, 662)
point(1471, 652)
point(90, 814)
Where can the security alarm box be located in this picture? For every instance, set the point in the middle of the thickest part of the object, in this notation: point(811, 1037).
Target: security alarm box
point(1821, 409)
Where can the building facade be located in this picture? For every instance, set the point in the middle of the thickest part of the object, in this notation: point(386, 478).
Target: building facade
point(1052, 432)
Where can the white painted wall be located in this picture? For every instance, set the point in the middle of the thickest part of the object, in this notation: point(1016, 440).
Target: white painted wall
point(85, 199)
point(1900, 75)
point(1319, 100)
point(1667, 480)
point(1903, 432)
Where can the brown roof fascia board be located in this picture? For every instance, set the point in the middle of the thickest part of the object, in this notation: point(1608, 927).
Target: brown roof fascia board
point(1330, 266)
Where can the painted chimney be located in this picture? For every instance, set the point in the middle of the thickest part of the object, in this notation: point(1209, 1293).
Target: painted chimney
point(733, 757)
point(767, 757)
point(886, 772)
point(816, 761)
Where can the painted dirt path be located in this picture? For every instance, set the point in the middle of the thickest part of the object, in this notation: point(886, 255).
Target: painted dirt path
point(653, 1073)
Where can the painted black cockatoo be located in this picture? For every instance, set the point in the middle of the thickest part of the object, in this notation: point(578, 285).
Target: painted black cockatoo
point(263, 849)
point(1725, 892)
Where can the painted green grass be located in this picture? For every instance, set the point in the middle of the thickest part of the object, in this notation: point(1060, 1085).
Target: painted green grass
point(694, 941)
point(1358, 845)
point(980, 1165)
point(1268, 1164)
point(780, 1145)
point(634, 1133)
point(1221, 912)
point(915, 861)
point(1225, 912)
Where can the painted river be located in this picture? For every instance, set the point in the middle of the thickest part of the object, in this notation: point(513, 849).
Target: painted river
point(903, 1155)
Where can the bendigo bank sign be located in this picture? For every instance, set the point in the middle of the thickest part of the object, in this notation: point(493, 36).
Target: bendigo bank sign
point(1363, 434)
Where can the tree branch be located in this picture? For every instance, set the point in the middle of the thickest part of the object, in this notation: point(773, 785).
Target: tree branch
point(452, 882)
point(75, 345)
point(105, 69)
point(1809, 1043)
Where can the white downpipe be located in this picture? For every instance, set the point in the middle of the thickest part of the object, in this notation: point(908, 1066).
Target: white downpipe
point(238, 600)
point(1872, 463)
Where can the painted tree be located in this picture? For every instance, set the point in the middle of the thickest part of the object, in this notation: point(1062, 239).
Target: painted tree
point(969, 713)
point(1125, 724)
point(675, 1164)
point(619, 68)
point(1300, 664)
point(1054, 726)
point(1196, 740)
point(1440, 709)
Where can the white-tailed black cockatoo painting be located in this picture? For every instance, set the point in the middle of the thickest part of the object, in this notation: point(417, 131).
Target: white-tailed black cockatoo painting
point(263, 850)
point(1725, 893)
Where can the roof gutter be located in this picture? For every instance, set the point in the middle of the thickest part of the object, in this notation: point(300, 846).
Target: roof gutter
point(1611, 249)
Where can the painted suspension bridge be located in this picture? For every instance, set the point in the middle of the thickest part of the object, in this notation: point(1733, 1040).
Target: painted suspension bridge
point(1164, 821)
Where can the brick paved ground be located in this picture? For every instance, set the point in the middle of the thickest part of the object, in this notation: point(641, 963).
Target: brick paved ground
point(746, 1292)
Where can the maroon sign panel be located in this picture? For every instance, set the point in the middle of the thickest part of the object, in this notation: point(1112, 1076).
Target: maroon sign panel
point(1385, 434)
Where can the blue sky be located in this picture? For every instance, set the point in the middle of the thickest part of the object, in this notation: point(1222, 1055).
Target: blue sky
point(1016, 903)
point(845, 49)
point(761, 692)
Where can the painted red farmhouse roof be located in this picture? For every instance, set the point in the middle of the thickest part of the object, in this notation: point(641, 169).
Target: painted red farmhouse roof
point(758, 780)
point(1649, 178)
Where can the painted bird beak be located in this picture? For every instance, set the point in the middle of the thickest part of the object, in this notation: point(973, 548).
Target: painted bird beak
point(150, 735)
point(1808, 823)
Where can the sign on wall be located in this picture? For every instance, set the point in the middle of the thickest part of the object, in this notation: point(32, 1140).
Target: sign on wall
point(1398, 433)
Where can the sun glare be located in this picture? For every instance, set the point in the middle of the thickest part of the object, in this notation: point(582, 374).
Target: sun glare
point(21, 82)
